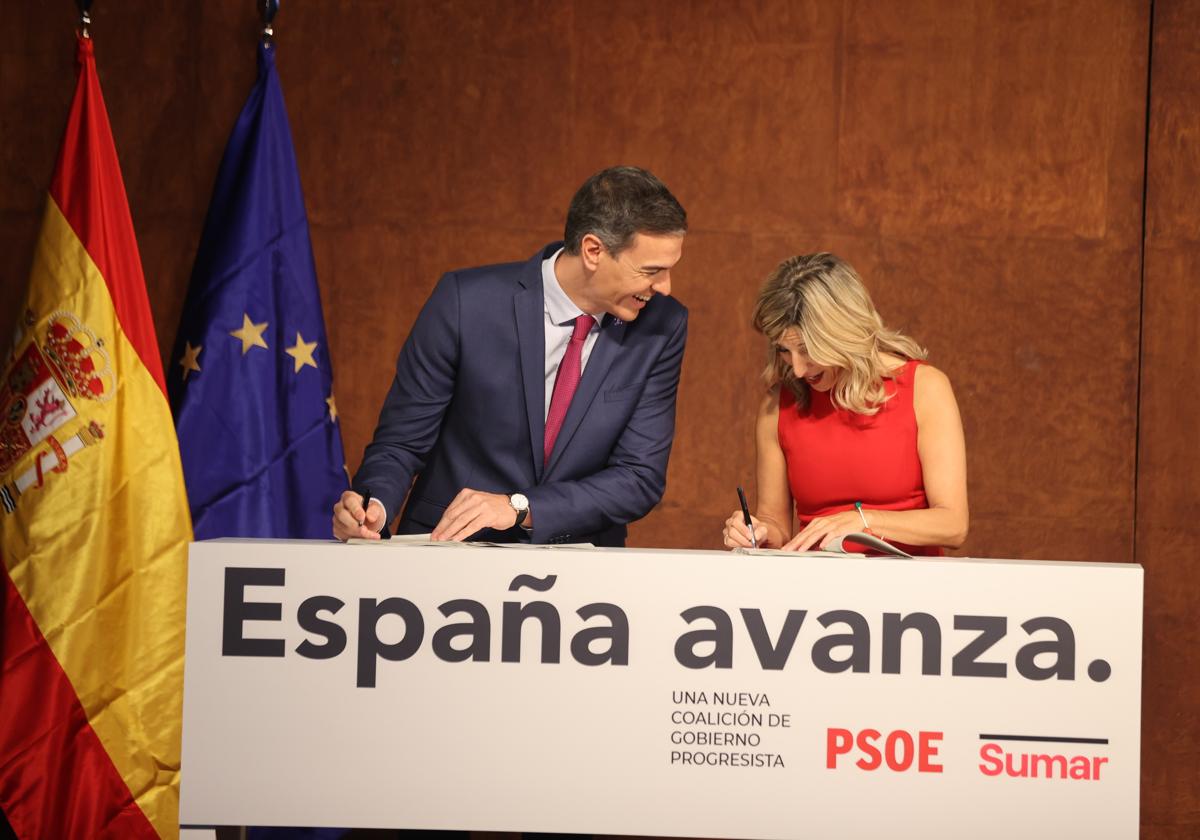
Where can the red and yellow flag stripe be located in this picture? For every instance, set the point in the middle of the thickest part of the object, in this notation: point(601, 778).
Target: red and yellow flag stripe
point(94, 533)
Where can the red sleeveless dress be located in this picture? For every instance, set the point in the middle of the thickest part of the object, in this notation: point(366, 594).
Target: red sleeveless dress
point(836, 457)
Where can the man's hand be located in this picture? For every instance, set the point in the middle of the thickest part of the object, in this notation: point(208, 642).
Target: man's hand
point(350, 520)
point(472, 511)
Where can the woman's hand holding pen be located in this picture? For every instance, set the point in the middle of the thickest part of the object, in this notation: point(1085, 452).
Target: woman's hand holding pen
point(350, 520)
point(737, 535)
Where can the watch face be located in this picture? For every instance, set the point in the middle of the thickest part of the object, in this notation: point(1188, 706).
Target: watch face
point(518, 501)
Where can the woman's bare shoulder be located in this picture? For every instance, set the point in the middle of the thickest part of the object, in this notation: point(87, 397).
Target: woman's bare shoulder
point(929, 377)
point(932, 390)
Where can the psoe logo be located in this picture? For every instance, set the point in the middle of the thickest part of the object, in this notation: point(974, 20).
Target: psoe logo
point(898, 751)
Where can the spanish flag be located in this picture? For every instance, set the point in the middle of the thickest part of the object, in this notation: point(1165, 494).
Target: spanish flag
point(94, 527)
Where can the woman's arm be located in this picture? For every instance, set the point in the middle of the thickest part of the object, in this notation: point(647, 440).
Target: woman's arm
point(774, 496)
point(773, 522)
point(942, 450)
point(943, 454)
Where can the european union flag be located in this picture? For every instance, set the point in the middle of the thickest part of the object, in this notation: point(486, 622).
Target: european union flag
point(251, 384)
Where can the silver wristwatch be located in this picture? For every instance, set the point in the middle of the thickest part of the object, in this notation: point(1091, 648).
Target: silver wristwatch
point(520, 504)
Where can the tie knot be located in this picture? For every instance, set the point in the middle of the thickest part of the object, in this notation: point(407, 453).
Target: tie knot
point(583, 325)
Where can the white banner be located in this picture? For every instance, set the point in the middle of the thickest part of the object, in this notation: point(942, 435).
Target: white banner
point(679, 693)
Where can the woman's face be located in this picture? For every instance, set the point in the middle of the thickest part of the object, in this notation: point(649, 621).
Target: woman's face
point(791, 349)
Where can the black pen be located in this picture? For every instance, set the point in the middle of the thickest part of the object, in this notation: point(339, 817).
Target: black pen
point(746, 516)
point(366, 501)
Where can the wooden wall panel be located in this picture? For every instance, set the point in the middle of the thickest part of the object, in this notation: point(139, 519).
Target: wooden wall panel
point(993, 119)
point(981, 163)
point(1169, 433)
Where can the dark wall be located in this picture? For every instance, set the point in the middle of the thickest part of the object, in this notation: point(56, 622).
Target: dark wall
point(1168, 491)
point(982, 164)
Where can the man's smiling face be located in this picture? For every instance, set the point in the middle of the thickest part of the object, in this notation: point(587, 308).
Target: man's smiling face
point(622, 285)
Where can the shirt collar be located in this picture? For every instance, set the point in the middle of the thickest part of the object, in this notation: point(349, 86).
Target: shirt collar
point(558, 306)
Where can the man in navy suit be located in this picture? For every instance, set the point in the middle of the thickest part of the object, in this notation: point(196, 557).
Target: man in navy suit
point(535, 401)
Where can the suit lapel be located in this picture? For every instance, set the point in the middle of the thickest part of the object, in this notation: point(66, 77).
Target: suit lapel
point(608, 344)
point(529, 306)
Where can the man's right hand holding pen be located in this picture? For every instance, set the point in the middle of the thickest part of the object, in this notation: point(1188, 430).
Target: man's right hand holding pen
point(355, 517)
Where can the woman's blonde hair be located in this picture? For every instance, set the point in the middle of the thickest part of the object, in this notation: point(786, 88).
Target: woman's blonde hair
point(822, 297)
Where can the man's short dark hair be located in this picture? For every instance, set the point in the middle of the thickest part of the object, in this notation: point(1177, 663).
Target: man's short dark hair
point(616, 203)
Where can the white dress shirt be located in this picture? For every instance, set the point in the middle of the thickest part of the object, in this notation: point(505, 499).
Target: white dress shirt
point(560, 323)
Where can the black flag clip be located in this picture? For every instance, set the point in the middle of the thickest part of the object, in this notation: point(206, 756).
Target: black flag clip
point(85, 19)
point(267, 10)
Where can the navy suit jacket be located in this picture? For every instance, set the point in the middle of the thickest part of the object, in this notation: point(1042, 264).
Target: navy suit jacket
point(467, 406)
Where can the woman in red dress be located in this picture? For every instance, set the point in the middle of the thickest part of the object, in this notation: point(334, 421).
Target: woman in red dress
point(857, 433)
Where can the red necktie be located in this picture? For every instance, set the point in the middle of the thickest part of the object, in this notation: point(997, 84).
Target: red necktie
point(567, 380)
